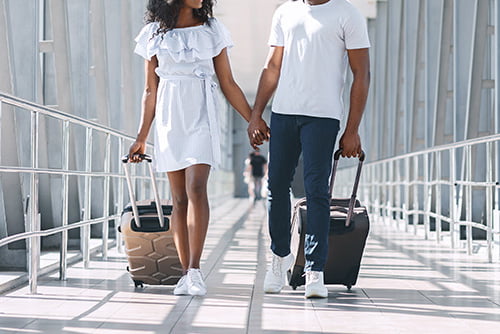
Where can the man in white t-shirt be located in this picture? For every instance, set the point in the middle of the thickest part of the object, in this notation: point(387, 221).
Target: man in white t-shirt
point(312, 42)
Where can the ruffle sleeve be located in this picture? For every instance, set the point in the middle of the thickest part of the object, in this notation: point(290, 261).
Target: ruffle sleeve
point(185, 44)
point(144, 40)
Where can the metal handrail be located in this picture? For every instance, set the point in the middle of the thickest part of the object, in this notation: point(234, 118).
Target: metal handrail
point(412, 187)
point(34, 232)
point(60, 115)
point(21, 236)
point(445, 147)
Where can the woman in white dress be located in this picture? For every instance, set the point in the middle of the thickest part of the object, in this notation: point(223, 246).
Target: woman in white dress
point(183, 47)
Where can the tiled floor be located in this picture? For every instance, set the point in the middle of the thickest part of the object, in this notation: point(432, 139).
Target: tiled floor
point(405, 286)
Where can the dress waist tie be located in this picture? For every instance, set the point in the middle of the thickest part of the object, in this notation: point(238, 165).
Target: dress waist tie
point(211, 104)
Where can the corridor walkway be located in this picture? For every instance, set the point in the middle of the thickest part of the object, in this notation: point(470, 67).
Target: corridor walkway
point(405, 286)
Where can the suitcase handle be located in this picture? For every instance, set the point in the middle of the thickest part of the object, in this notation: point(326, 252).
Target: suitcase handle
point(352, 201)
point(146, 157)
point(135, 211)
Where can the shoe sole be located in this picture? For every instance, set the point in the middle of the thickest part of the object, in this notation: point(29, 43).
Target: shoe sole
point(272, 292)
point(316, 295)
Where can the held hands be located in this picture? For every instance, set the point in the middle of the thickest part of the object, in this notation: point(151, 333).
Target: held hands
point(136, 149)
point(350, 143)
point(258, 131)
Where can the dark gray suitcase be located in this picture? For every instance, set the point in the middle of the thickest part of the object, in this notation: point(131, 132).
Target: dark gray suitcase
point(347, 237)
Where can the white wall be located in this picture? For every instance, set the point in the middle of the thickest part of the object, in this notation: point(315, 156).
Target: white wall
point(249, 22)
point(367, 7)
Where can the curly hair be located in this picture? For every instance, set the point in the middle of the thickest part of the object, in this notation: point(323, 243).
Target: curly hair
point(166, 12)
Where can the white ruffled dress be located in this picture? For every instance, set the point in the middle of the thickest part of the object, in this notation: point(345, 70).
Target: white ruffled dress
point(186, 121)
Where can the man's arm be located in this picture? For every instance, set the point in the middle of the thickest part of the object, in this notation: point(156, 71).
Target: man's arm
point(257, 128)
point(359, 61)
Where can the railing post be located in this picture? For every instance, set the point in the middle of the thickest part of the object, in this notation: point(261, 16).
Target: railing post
point(85, 235)
point(399, 202)
point(105, 224)
point(416, 205)
point(390, 193)
point(407, 193)
point(34, 242)
point(489, 199)
point(427, 196)
point(468, 202)
point(438, 197)
point(496, 196)
point(63, 263)
point(387, 199)
point(119, 204)
point(376, 188)
point(453, 197)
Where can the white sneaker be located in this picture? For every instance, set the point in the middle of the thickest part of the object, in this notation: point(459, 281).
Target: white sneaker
point(276, 273)
point(315, 286)
point(181, 287)
point(195, 284)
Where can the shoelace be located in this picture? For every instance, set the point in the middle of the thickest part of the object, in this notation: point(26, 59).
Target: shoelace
point(196, 277)
point(276, 266)
point(182, 280)
point(311, 276)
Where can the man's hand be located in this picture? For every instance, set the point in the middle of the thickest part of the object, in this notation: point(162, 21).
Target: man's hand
point(258, 131)
point(350, 143)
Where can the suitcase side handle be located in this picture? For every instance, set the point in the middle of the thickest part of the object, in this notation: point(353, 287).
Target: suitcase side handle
point(135, 211)
point(352, 201)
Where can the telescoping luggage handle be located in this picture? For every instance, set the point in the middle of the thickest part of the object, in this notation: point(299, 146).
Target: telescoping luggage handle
point(135, 211)
point(352, 200)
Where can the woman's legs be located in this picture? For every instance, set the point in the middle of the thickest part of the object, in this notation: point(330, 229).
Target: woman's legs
point(177, 181)
point(198, 211)
point(191, 212)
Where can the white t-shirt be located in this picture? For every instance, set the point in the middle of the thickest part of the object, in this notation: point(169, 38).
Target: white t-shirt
point(315, 40)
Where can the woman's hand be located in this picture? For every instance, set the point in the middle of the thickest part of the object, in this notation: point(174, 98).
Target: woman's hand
point(135, 150)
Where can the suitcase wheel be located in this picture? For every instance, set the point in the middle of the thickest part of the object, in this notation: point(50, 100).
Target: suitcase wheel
point(139, 284)
point(294, 287)
point(349, 287)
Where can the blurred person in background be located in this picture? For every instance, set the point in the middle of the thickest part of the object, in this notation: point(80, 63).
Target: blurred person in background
point(255, 173)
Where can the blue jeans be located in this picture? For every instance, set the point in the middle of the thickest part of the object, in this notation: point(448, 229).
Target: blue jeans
point(315, 138)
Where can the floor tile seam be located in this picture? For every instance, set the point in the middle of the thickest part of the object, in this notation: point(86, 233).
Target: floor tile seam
point(449, 313)
point(231, 204)
point(447, 271)
point(181, 313)
point(372, 302)
point(225, 237)
point(29, 323)
point(229, 249)
point(104, 301)
point(72, 260)
point(244, 228)
point(261, 259)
